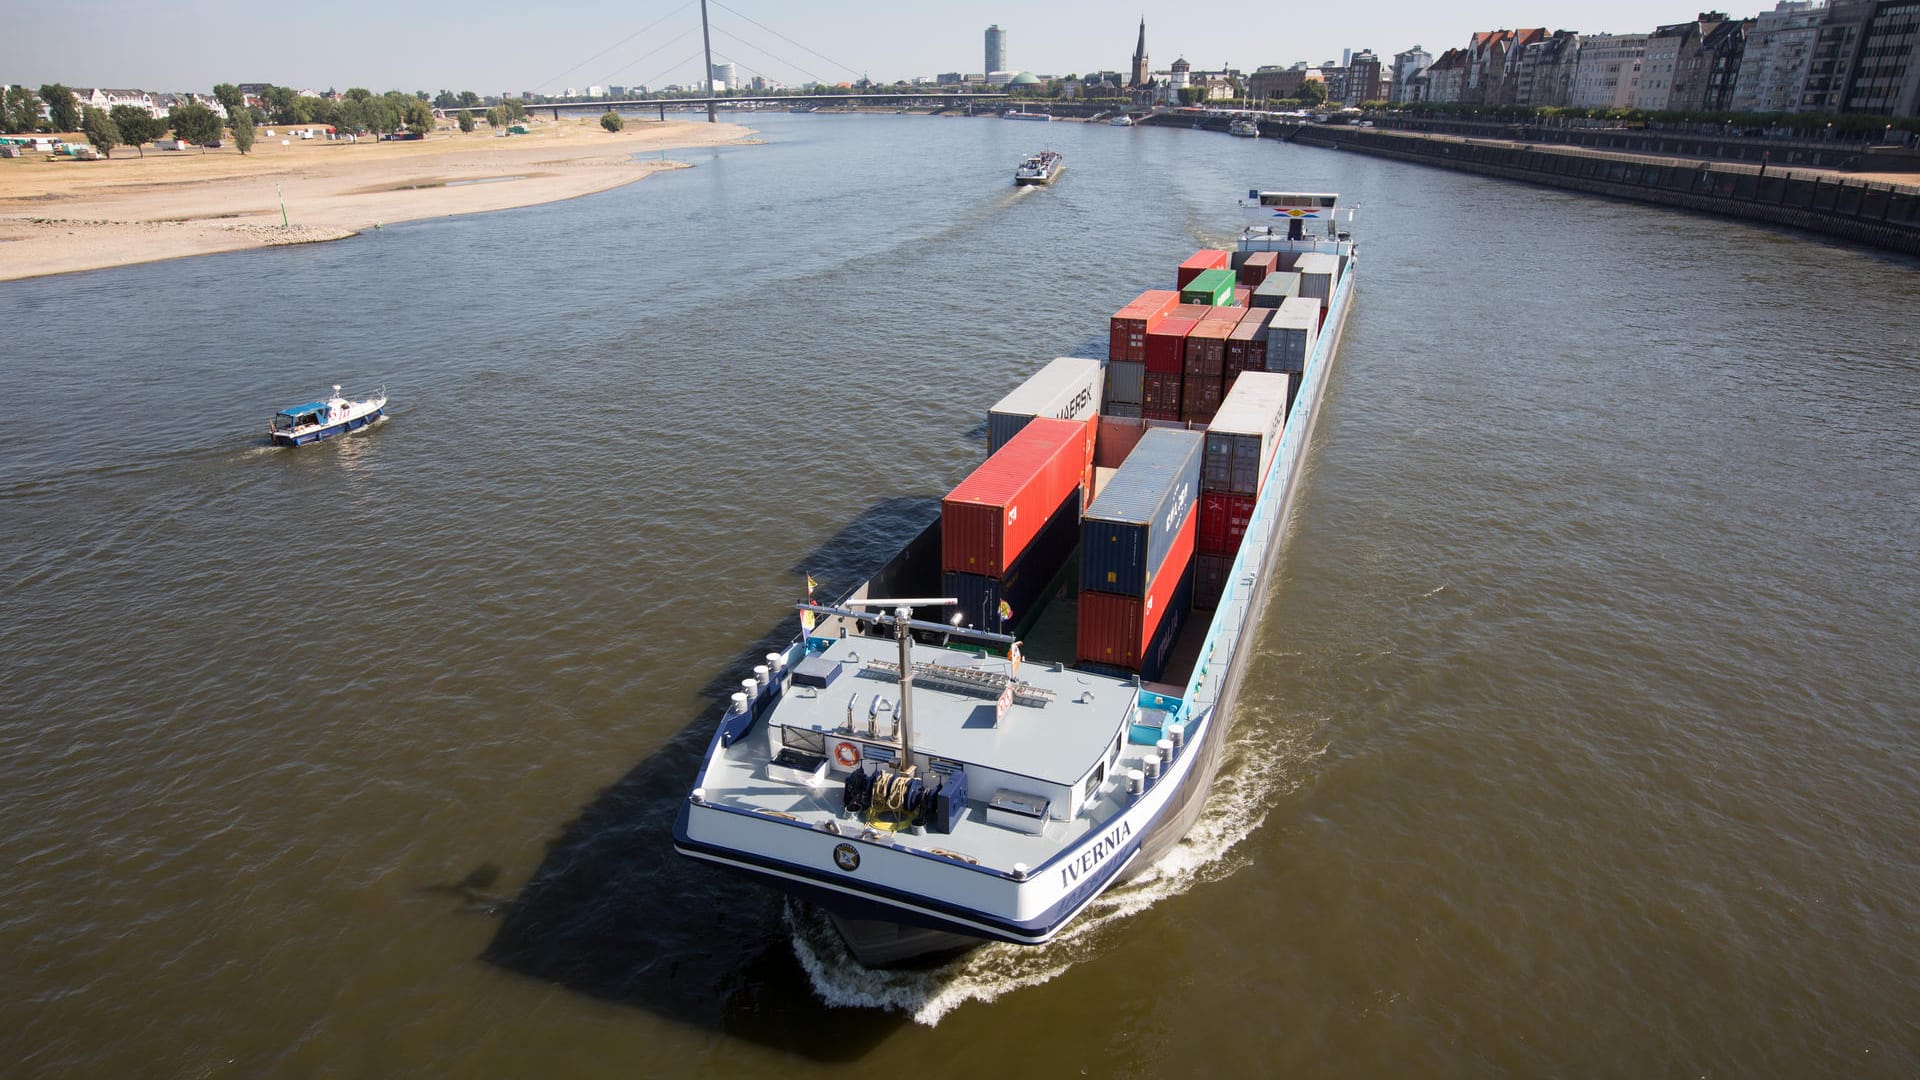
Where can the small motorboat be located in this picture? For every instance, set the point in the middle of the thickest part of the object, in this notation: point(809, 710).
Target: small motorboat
point(318, 420)
point(1246, 127)
point(1122, 120)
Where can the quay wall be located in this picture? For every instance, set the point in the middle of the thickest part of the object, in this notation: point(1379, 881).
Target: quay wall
point(1882, 215)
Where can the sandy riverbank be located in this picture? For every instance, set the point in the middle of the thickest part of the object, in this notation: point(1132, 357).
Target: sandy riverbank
point(61, 216)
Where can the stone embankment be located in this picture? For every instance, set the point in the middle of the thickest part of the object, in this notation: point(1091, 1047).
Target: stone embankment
point(1875, 212)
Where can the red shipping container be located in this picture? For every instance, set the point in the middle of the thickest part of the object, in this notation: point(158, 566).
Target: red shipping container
point(1258, 265)
point(1196, 312)
point(1127, 330)
point(1116, 629)
point(988, 520)
point(1229, 315)
point(1200, 397)
point(1223, 521)
point(1167, 344)
point(1201, 262)
point(1115, 438)
point(1207, 349)
point(1251, 331)
point(1242, 297)
point(1160, 396)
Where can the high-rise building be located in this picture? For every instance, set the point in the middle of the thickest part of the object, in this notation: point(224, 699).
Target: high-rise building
point(1140, 69)
point(1778, 51)
point(996, 49)
point(1886, 73)
point(724, 77)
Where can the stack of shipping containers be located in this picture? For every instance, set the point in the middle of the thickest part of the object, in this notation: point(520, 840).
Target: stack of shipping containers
point(1240, 444)
point(1136, 556)
point(1009, 527)
point(1127, 350)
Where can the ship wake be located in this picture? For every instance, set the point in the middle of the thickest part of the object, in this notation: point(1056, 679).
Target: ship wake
point(1262, 766)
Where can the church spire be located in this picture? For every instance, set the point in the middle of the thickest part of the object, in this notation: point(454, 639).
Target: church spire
point(1140, 56)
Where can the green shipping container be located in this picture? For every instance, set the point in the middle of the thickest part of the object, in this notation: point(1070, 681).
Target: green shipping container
point(1213, 288)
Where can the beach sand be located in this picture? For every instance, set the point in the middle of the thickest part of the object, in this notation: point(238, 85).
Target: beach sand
point(61, 216)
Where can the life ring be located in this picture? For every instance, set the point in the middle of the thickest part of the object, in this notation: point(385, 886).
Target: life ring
point(847, 754)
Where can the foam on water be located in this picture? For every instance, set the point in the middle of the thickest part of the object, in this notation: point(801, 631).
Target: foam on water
point(1261, 765)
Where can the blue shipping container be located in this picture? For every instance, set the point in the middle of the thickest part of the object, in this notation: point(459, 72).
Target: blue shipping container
point(1129, 529)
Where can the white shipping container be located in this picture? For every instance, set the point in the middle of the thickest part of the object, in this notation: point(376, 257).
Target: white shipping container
point(1245, 434)
point(1291, 334)
point(1317, 273)
point(1066, 389)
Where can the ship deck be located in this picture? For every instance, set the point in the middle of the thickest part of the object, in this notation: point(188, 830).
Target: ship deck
point(1035, 746)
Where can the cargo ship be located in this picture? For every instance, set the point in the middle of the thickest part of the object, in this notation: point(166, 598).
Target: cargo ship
point(1025, 707)
point(1043, 167)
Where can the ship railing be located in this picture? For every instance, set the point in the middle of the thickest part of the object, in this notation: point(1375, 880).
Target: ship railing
point(1228, 626)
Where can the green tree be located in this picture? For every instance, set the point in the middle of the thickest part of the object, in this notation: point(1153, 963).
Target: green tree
point(612, 121)
point(1311, 92)
point(242, 120)
point(99, 129)
point(194, 122)
point(22, 111)
point(465, 120)
point(418, 117)
point(497, 117)
point(469, 99)
point(349, 116)
point(229, 97)
point(1189, 95)
point(137, 126)
point(516, 112)
point(284, 106)
point(63, 109)
point(445, 100)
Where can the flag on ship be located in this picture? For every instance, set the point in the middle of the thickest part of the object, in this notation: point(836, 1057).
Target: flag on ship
point(1006, 611)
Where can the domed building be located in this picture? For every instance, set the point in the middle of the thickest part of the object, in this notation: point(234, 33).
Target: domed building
point(1025, 78)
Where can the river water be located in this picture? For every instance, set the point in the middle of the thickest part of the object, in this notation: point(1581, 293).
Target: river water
point(1581, 741)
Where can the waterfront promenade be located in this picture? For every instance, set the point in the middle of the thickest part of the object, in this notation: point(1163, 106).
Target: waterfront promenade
point(1881, 209)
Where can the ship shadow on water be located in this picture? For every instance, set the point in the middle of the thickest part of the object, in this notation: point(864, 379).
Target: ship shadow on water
point(615, 913)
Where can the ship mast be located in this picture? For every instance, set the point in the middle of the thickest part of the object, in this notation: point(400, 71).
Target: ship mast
point(904, 624)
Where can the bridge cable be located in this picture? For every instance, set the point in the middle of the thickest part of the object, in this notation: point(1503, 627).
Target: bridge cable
point(770, 53)
point(751, 70)
point(671, 70)
point(788, 40)
point(617, 44)
point(608, 78)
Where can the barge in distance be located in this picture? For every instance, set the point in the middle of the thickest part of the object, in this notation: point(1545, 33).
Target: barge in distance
point(1043, 167)
point(922, 762)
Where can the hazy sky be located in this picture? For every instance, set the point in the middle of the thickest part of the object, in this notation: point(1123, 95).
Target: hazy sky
point(494, 46)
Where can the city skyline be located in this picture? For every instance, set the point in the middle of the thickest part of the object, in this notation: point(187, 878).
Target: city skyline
point(495, 48)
